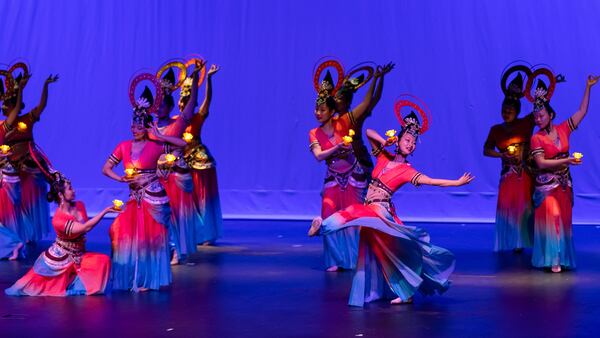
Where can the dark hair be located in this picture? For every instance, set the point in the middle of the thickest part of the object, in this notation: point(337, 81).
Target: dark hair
point(141, 116)
point(13, 102)
point(330, 103)
point(168, 100)
point(511, 102)
point(57, 187)
point(550, 110)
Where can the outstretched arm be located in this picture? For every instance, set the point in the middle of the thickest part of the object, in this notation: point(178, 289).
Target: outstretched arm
point(77, 228)
point(585, 102)
point(37, 111)
point(464, 179)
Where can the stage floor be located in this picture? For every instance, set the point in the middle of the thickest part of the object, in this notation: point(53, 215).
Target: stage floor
point(265, 279)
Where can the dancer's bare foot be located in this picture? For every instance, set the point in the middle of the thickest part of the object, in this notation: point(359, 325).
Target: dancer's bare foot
point(399, 301)
point(143, 289)
point(15, 252)
point(556, 268)
point(206, 243)
point(175, 258)
point(334, 268)
point(315, 226)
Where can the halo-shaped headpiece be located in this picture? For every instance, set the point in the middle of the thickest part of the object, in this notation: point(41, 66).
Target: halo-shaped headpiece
point(11, 82)
point(361, 80)
point(515, 87)
point(7, 85)
point(324, 64)
point(540, 92)
point(149, 107)
point(168, 80)
point(416, 104)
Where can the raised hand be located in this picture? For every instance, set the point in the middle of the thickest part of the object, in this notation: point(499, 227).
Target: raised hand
point(592, 80)
point(51, 79)
point(388, 68)
point(213, 69)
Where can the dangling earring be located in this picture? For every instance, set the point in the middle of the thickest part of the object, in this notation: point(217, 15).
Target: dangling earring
point(336, 116)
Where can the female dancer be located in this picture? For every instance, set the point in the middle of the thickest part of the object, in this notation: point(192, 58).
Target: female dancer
point(66, 269)
point(346, 180)
point(204, 168)
point(178, 181)
point(553, 196)
point(10, 192)
point(514, 211)
point(390, 252)
point(139, 235)
point(19, 136)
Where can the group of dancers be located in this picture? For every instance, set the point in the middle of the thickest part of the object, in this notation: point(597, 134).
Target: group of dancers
point(173, 201)
point(359, 225)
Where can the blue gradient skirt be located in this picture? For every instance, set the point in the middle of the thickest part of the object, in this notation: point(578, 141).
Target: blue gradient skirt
point(394, 260)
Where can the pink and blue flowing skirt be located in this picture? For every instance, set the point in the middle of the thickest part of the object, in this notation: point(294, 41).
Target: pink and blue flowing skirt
point(514, 212)
point(140, 247)
point(206, 194)
point(553, 230)
point(394, 260)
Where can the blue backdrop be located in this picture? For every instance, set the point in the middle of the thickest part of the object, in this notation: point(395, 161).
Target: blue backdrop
point(449, 53)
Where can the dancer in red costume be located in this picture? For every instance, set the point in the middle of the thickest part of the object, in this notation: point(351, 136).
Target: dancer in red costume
point(139, 235)
point(510, 142)
point(10, 193)
point(395, 261)
point(66, 268)
point(553, 197)
point(204, 167)
point(178, 180)
point(346, 179)
point(26, 160)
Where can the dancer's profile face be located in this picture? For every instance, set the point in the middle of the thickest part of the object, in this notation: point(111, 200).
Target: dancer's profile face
point(323, 113)
point(138, 130)
point(69, 193)
point(509, 113)
point(407, 144)
point(542, 118)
